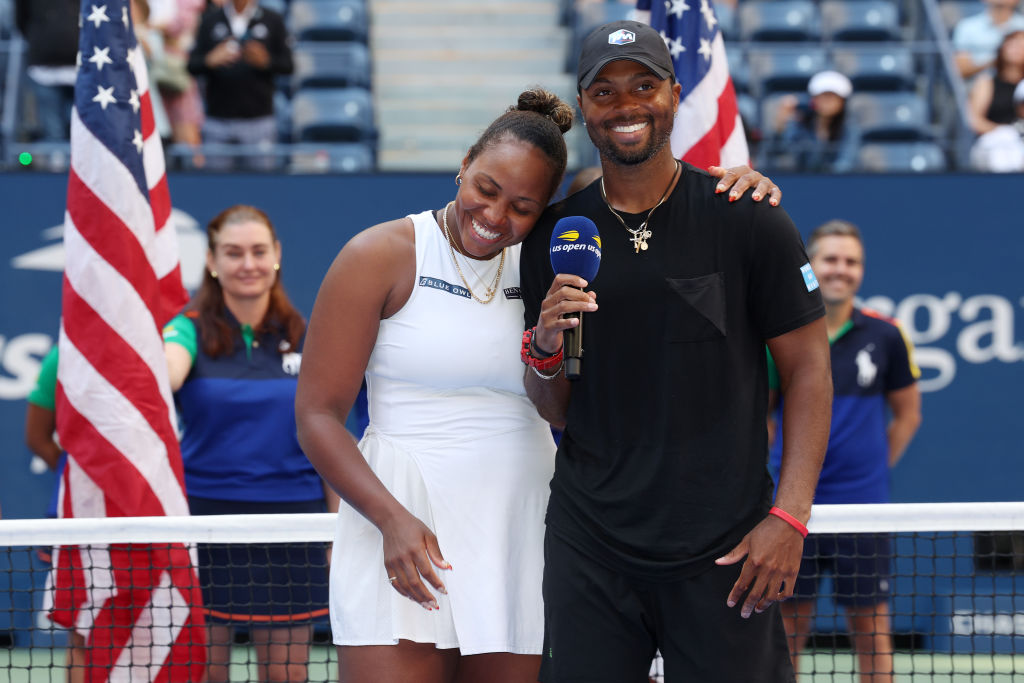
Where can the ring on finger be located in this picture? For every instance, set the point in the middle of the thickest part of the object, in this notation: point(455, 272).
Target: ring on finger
point(392, 579)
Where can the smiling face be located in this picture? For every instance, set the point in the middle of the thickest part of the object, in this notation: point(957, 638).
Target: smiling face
point(503, 192)
point(629, 112)
point(243, 256)
point(838, 263)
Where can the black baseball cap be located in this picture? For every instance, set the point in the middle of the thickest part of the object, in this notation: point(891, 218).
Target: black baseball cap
point(623, 40)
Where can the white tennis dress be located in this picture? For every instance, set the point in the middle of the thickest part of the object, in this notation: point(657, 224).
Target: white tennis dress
point(457, 442)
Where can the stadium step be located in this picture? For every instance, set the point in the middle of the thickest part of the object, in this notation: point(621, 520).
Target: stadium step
point(443, 70)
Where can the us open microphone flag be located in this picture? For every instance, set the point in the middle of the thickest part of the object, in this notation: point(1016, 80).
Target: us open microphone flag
point(707, 130)
point(138, 607)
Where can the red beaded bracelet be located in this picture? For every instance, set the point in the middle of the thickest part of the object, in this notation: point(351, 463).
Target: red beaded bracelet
point(789, 519)
point(526, 354)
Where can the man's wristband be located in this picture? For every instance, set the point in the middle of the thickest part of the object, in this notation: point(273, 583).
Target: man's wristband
point(789, 519)
point(530, 358)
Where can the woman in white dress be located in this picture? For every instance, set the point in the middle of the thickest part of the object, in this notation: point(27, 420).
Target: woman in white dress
point(438, 556)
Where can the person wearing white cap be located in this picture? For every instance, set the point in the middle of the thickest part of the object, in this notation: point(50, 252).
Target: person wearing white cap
point(817, 137)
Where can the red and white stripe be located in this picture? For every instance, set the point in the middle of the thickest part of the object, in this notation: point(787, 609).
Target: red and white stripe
point(708, 130)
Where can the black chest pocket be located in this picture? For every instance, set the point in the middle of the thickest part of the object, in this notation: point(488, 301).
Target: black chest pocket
point(696, 308)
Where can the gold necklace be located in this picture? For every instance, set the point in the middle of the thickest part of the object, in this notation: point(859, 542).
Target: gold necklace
point(642, 234)
point(493, 288)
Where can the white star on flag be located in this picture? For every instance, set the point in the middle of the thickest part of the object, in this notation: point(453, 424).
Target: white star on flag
point(100, 57)
point(137, 140)
point(130, 57)
point(705, 48)
point(78, 60)
point(675, 46)
point(709, 14)
point(104, 96)
point(134, 101)
point(676, 7)
point(124, 16)
point(98, 15)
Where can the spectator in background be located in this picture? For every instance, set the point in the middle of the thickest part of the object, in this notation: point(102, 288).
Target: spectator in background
point(181, 95)
point(976, 38)
point(819, 138)
point(50, 29)
point(873, 372)
point(1001, 150)
point(233, 358)
point(991, 97)
point(152, 43)
point(240, 47)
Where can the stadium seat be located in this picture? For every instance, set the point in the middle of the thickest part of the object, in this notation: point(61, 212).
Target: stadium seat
point(784, 69)
point(882, 67)
point(332, 115)
point(329, 20)
point(279, 6)
point(890, 116)
point(322, 65)
point(738, 69)
point(916, 157)
point(345, 157)
point(859, 20)
point(786, 20)
point(952, 11)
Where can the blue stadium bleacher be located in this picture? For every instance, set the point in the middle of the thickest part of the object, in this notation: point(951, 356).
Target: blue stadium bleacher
point(784, 68)
point(889, 116)
point(329, 20)
point(332, 115)
point(785, 20)
point(917, 157)
point(341, 65)
point(876, 67)
point(860, 20)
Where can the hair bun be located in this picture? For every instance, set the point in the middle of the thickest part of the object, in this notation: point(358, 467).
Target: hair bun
point(547, 104)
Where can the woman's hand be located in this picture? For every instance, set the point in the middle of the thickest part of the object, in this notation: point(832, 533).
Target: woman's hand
point(410, 554)
point(741, 179)
point(565, 295)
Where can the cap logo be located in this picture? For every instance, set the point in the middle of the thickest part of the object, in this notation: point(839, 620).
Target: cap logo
point(621, 37)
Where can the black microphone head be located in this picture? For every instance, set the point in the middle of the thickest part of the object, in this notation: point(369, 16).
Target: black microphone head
point(576, 247)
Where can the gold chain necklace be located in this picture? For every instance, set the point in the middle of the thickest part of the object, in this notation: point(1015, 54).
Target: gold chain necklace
point(493, 288)
point(642, 234)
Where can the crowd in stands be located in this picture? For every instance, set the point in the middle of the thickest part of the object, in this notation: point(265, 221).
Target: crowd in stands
point(240, 76)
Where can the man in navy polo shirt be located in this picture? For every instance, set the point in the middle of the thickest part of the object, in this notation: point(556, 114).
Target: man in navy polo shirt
point(872, 371)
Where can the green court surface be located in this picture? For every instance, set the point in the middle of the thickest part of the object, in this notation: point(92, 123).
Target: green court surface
point(41, 665)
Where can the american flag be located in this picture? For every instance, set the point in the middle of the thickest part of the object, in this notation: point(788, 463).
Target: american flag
point(138, 606)
point(708, 130)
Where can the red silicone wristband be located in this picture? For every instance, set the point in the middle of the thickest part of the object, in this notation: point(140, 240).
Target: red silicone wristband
point(540, 363)
point(789, 519)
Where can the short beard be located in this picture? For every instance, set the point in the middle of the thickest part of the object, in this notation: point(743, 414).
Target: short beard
point(633, 157)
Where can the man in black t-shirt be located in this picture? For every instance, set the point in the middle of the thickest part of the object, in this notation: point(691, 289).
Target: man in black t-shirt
point(660, 530)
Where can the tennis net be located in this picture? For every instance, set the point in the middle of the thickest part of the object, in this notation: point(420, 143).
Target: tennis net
point(938, 585)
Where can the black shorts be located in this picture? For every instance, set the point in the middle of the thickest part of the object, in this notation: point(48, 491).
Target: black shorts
point(860, 565)
point(263, 584)
point(602, 626)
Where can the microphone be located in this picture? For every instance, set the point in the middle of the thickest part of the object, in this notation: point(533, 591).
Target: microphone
point(576, 250)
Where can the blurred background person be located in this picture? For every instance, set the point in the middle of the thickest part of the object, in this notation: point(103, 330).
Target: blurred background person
point(990, 103)
point(233, 358)
point(151, 41)
point(1001, 150)
point(50, 30)
point(819, 137)
point(876, 411)
point(178, 21)
point(240, 48)
point(976, 38)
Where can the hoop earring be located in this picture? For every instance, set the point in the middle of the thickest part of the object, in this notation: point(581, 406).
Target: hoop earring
point(458, 179)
